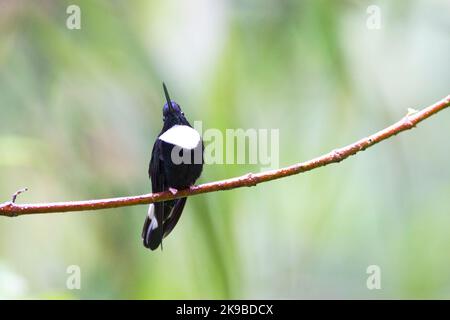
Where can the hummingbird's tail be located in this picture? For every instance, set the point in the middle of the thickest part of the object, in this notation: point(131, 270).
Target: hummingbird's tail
point(160, 221)
point(151, 232)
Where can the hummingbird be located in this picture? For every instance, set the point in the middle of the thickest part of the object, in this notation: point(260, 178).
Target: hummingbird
point(176, 163)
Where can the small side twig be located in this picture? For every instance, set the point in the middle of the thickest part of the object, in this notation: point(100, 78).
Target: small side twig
point(18, 192)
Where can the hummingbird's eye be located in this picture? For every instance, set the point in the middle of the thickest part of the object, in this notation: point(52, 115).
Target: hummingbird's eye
point(182, 113)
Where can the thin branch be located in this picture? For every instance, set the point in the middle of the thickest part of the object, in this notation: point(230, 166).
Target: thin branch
point(413, 117)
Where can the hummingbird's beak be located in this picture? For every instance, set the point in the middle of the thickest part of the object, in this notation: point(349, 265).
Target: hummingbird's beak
point(169, 102)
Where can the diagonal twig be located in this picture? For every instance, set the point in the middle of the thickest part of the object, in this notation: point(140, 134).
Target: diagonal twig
point(17, 193)
point(409, 121)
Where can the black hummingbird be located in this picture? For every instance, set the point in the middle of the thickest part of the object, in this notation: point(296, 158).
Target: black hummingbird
point(176, 163)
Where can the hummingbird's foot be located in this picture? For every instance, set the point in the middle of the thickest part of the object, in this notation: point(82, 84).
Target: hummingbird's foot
point(173, 191)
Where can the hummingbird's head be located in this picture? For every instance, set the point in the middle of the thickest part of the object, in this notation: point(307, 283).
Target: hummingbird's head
point(171, 110)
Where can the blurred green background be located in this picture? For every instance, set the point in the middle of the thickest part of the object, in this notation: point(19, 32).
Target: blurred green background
point(80, 110)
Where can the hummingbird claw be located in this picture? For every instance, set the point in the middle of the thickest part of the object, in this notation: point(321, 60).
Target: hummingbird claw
point(173, 191)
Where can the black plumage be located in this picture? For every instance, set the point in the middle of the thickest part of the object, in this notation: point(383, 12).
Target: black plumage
point(176, 141)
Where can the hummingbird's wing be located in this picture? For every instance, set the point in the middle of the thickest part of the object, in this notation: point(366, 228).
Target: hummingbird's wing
point(173, 218)
point(152, 233)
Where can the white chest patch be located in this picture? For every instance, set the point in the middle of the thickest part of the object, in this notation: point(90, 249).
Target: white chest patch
point(182, 136)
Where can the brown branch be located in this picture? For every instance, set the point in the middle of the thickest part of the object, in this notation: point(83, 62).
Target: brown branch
point(413, 117)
